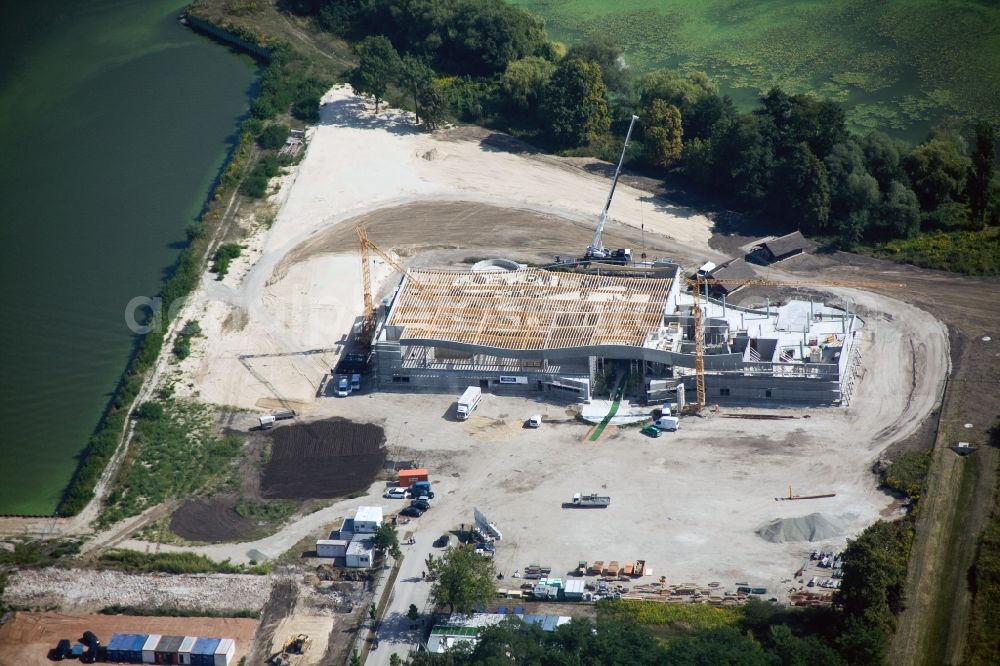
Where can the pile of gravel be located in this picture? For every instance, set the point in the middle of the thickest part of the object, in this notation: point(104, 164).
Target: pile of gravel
point(814, 527)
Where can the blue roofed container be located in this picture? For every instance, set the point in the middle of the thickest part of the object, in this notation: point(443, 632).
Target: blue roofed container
point(203, 653)
point(149, 649)
point(135, 648)
point(184, 652)
point(115, 647)
point(225, 652)
point(166, 650)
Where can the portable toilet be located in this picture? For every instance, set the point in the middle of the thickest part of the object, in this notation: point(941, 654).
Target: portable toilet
point(225, 652)
point(149, 649)
point(203, 653)
point(184, 651)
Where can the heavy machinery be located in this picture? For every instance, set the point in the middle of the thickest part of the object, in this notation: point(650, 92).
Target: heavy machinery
point(596, 250)
point(367, 247)
point(700, 282)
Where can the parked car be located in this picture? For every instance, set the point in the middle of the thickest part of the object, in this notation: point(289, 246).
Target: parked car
point(442, 541)
point(343, 387)
point(421, 504)
point(395, 493)
point(651, 431)
point(535, 421)
point(412, 511)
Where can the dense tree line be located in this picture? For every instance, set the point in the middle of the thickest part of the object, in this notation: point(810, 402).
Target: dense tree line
point(791, 160)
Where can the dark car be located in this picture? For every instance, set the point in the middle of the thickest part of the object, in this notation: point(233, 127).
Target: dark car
point(442, 541)
point(412, 511)
point(423, 505)
point(63, 650)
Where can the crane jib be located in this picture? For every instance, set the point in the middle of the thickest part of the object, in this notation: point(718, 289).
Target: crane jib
point(596, 248)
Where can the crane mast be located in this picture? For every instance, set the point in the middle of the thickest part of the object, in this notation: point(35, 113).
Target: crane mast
point(596, 249)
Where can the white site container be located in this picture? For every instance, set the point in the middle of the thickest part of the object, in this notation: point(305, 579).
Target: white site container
point(225, 652)
point(149, 648)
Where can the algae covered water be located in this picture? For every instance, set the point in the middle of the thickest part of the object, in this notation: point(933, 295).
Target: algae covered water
point(114, 122)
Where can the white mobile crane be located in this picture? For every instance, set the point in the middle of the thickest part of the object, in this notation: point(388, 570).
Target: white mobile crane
point(596, 250)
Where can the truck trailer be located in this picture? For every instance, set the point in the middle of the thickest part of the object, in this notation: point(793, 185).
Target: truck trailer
point(591, 501)
point(468, 402)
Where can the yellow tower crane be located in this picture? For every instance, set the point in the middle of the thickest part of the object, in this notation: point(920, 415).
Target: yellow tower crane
point(367, 247)
point(699, 282)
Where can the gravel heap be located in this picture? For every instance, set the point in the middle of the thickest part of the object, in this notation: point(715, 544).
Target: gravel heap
point(814, 527)
point(83, 590)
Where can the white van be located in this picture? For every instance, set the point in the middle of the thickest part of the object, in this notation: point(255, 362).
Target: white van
point(355, 382)
point(343, 387)
point(668, 423)
point(535, 421)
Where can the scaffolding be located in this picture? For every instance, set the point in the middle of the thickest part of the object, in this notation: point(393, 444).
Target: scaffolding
point(530, 309)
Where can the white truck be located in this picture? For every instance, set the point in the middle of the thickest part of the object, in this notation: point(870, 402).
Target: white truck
point(591, 501)
point(468, 402)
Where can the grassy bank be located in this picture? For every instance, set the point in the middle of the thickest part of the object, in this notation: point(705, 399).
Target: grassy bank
point(973, 252)
point(983, 640)
point(176, 452)
point(132, 561)
point(160, 611)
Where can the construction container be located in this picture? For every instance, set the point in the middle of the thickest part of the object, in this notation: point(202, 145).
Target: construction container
point(166, 650)
point(135, 648)
point(149, 649)
point(203, 652)
point(407, 477)
point(574, 590)
point(332, 548)
point(184, 651)
point(115, 647)
point(225, 652)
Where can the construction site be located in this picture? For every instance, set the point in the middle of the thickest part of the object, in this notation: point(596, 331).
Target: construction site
point(390, 285)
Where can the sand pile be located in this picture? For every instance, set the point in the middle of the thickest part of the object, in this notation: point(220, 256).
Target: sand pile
point(814, 527)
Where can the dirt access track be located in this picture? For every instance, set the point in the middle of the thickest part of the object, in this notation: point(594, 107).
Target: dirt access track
point(27, 638)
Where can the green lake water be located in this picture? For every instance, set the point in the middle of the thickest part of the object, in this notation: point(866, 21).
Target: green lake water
point(114, 123)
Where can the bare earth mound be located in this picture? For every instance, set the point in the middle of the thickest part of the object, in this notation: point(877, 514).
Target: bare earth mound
point(814, 527)
point(323, 460)
point(212, 520)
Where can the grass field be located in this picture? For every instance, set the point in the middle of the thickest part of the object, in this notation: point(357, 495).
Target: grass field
point(898, 65)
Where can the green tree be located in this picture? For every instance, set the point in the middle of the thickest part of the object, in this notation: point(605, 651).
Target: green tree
point(601, 48)
point(937, 169)
point(742, 160)
point(684, 92)
point(434, 105)
point(386, 539)
point(981, 173)
point(874, 566)
point(273, 136)
point(413, 614)
point(378, 66)
point(355, 659)
point(861, 643)
point(576, 105)
point(854, 193)
point(464, 579)
point(415, 76)
point(899, 215)
point(394, 660)
point(523, 84)
point(801, 195)
point(725, 645)
point(661, 124)
point(792, 650)
point(882, 159)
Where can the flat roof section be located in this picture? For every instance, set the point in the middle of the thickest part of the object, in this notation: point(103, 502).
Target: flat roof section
point(529, 309)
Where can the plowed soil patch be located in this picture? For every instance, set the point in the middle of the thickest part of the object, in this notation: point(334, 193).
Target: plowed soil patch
point(323, 460)
point(212, 520)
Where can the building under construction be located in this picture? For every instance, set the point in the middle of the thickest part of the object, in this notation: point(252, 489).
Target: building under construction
point(509, 329)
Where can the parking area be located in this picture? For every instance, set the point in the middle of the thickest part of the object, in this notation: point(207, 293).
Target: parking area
point(689, 503)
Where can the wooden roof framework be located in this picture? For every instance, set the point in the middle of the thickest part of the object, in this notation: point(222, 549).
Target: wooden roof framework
point(531, 309)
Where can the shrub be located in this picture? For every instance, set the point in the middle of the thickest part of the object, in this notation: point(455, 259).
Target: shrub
point(223, 256)
point(273, 136)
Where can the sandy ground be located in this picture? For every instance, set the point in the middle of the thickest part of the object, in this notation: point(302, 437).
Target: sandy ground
point(290, 316)
point(27, 638)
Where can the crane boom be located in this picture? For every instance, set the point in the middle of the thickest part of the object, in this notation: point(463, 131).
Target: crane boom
point(596, 249)
point(367, 246)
